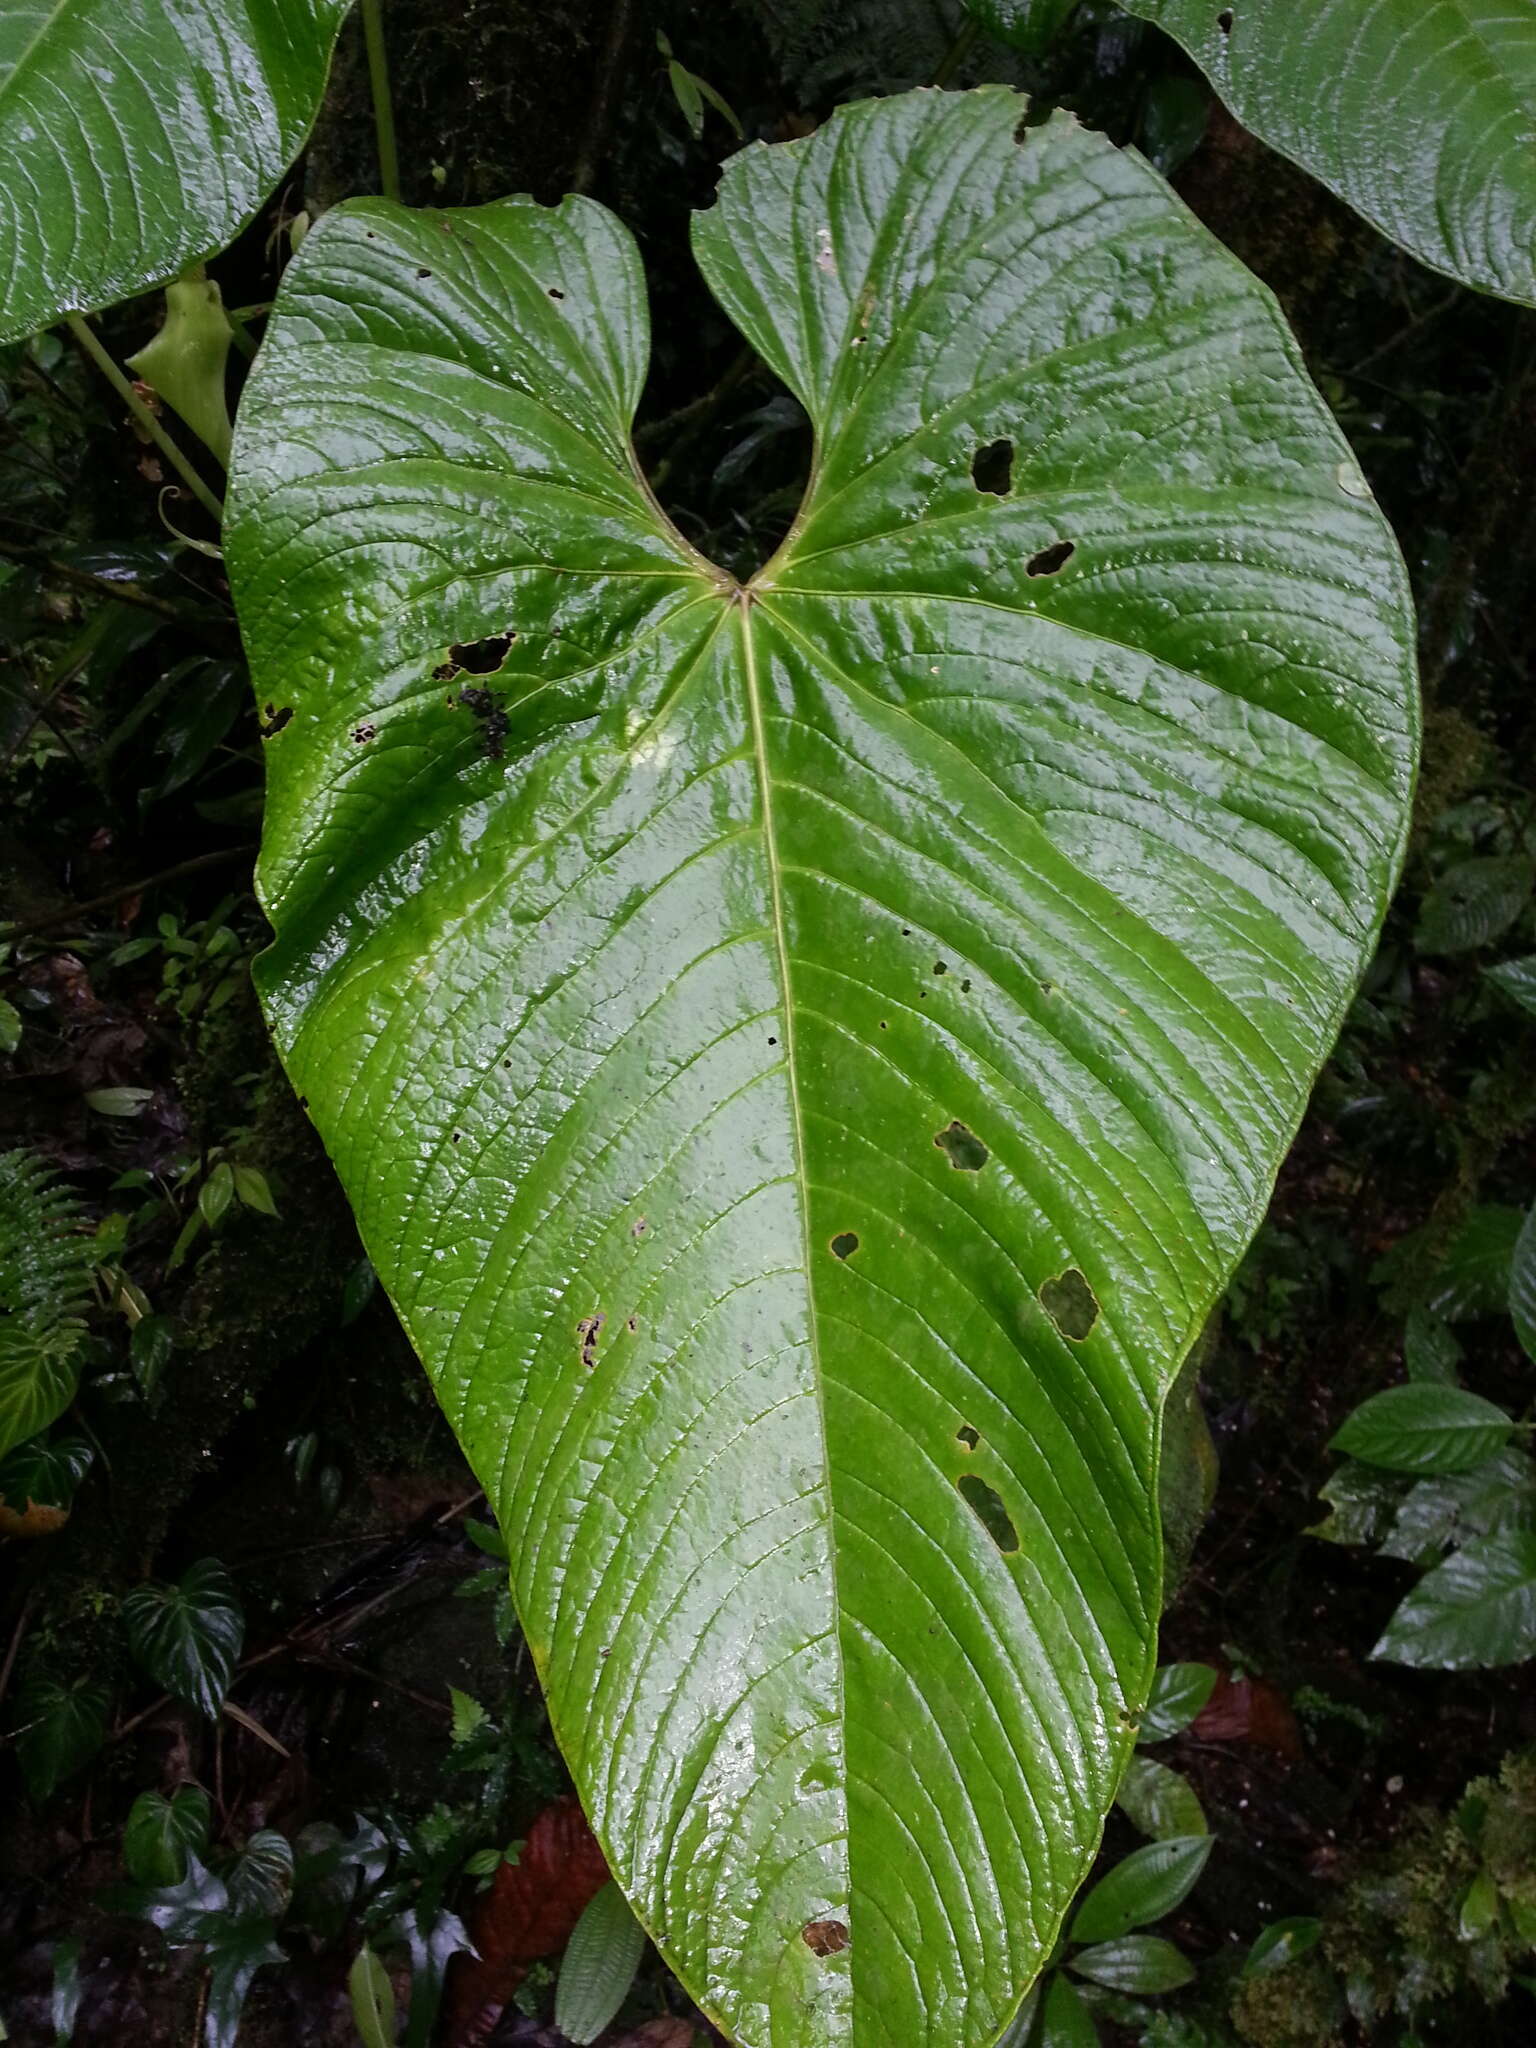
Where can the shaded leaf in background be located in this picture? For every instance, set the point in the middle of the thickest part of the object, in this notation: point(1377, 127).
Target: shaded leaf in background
point(188, 1636)
point(1423, 1427)
point(1281, 1942)
point(150, 134)
point(1160, 1801)
point(1476, 1609)
point(38, 1481)
point(1178, 1693)
point(1431, 1349)
point(1362, 1501)
point(1137, 1963)
point(161, 1834)
point(1473, 903)
point(1517, 980)
point(1027, 25)
point(598, 1966)
point(45, 1267)
point(64, 2005)
point(529, 1912)
point(373, 2000)
point(260, 1880)
point(1065, 2022)
point(1472, 1275)
point(1141, 1887)
point(1497, 1497)
point(235, 1951)
point(1522, 1286)
point(61, 1723)
point(1417, 113)
point(970, 861)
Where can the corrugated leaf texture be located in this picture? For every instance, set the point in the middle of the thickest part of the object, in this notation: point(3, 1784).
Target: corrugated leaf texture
point(1420, 113)
point(805, 1056)
point(139, 136)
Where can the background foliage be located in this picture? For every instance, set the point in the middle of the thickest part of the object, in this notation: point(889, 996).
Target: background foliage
point(247, 1414)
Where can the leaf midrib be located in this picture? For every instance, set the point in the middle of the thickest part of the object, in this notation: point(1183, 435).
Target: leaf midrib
point(745, 603)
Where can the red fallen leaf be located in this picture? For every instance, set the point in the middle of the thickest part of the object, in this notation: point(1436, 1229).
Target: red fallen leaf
point(529, 1911)
point(1248, 1710)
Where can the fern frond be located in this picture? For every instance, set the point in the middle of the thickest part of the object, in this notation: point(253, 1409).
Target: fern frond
point(45, 1272)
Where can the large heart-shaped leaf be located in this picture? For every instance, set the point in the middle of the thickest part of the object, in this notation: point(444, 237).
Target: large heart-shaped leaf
point(805, 1057)
point(1420, 113)
point(141, 135)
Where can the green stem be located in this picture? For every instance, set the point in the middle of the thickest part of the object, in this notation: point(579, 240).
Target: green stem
point(81, 329)
point(383, 107)
point(957, 52)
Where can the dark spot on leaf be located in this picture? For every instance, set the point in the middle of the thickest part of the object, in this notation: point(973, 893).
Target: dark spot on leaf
point(986, 1504)
point(965, 986)
point(275, 720)
point(845, 1244)
point(1224, 21)
point(939, 967)
point(482, 657)
point(486, 706)
point(773, 1041)
point(589, 1329)
point(422, 272)
point(968, 1436)
point(992, 468)
point(631, 1325)
point(1071, 1304)
point(1050, 559)
point(639, 1227)
point(825, 1937)
point(965, 1149)
point(906, 931)
point(883, 1025)
point(555, 292)
point(363, 732)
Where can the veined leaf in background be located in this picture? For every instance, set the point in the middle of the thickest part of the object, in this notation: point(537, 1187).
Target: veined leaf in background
point(598, 1966)
point(161, 1834)
point(1522, 1286)
point(806, 1057)
point(1424, 1427)
point(139, 138)
point(1420, 113)
point(1476, 1609)
point(45, 1268)
point(188, 1636)
point(1029, 25)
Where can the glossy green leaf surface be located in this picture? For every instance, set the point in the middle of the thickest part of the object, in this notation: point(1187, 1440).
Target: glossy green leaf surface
point(1420, 113)
point(188, 1636)
point(1476, 1609)
point(1423, 1427)
point(140, 136)
point(806, 1057)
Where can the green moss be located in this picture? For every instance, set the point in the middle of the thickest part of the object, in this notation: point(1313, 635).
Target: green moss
point(1402, 1943)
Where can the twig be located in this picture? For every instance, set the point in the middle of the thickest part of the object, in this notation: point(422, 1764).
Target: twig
point(383, 105)
point(252, 1726)
point(25, 927)
point(81, 330)
point(605, 97)
point(18, 1635)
